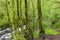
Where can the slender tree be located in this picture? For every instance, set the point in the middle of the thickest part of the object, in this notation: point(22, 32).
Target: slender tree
point(28, 32)
point(21, 21)
point(14, 19)
point(19, 14)
point(33, 10)
point(42, 31)
point(10, 19)
point(18, 9)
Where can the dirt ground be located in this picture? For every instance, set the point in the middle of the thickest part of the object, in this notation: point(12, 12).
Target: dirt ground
point(50, 37)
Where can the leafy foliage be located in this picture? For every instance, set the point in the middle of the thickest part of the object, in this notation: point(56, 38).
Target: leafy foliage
point(50, 15)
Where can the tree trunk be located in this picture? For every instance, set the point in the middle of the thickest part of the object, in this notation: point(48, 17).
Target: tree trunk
point(10, 18)
point(42, 31)
point(33, 10)
point(28, 32)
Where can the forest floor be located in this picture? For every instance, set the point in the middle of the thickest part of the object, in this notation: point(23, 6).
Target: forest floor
point(50, 37)
point(47, 37)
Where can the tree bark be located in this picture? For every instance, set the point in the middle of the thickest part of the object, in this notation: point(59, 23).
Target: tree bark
point(10, 18)
point(42, 31)
point(33, 10)
point(28, 32)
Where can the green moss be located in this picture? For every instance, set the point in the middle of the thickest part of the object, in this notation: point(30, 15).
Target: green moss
point(36, 34)
point(48, 31)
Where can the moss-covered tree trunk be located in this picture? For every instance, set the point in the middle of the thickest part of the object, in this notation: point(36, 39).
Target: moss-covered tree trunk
point(42, 31)
point(17, 31)
point(33, 10)
point(21, 21)
point(10, 16)
point(28, 31)
point(18, 9)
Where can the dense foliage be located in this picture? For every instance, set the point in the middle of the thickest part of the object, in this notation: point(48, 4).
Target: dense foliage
point(50, 15)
